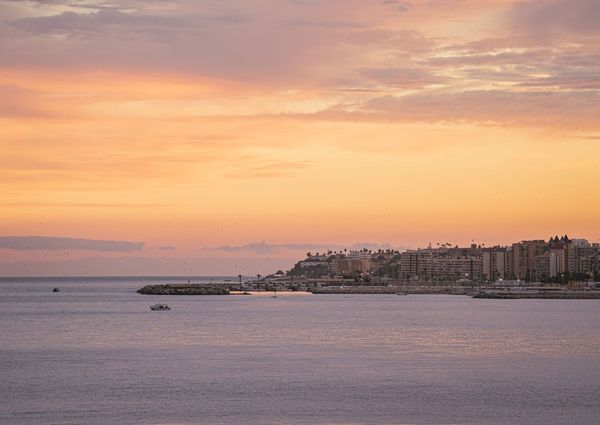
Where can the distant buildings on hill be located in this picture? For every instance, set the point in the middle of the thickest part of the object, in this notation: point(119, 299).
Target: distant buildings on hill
point(558, 260)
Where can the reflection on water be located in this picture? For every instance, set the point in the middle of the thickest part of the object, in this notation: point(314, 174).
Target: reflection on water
point(94, 353)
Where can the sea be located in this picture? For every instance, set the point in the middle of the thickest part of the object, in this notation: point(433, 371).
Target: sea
point(94, 353)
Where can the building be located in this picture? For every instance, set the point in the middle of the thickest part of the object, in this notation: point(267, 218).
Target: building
point(545, 266)
point(495, 264)
point(440, 265)
point(523, 258)
point(351, 263)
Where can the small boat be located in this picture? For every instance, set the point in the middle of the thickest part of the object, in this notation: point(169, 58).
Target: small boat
point(55, 290)
point(159, 307)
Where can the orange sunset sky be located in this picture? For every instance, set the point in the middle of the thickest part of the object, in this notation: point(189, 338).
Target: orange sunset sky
point(226, 137)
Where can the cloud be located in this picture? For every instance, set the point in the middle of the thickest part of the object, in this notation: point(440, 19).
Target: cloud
point(263, 247)
point(88, 24)
point(166, 248)
point(60, 243)
point(558, 16)
point(500, 107)
point(266, 168)
point(228, 41)
point(322, 24)
point(401, 77)
point(399, 6)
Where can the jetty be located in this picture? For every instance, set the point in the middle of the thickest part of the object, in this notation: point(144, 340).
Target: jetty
point(184, 289)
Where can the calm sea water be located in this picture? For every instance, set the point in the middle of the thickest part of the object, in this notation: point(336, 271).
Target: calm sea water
point(95, 354)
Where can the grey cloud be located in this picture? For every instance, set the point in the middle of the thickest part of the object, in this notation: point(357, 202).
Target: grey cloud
point(71, 23)
point(399, 6)
point(267, 248)
point(61, 243)
point(224, 45)
point(548, 17)
point(226, 40)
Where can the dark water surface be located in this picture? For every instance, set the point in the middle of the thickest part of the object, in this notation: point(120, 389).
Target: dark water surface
point(95, 354)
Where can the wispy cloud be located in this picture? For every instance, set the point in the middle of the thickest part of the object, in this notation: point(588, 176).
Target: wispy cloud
point(322, 24)
point(264, 168)
point(502, 107)
point(49, 243)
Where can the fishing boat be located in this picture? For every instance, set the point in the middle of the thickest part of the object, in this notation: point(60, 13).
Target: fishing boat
point(159, 307)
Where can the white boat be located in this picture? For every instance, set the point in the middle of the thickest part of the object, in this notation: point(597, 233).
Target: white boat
point(159, 307)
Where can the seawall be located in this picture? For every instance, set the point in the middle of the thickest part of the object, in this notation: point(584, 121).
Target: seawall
point(401, 290)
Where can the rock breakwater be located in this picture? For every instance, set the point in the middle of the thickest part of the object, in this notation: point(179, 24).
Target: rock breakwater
point(190, 289)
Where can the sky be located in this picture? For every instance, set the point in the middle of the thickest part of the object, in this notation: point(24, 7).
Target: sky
point(208, 137)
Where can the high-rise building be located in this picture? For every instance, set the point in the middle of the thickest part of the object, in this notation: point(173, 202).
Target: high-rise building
point(523, 258)
point(495, 264)
point(441, 265)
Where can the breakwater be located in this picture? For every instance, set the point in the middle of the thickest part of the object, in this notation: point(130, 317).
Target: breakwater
point(546, 295)
point(183, 289)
